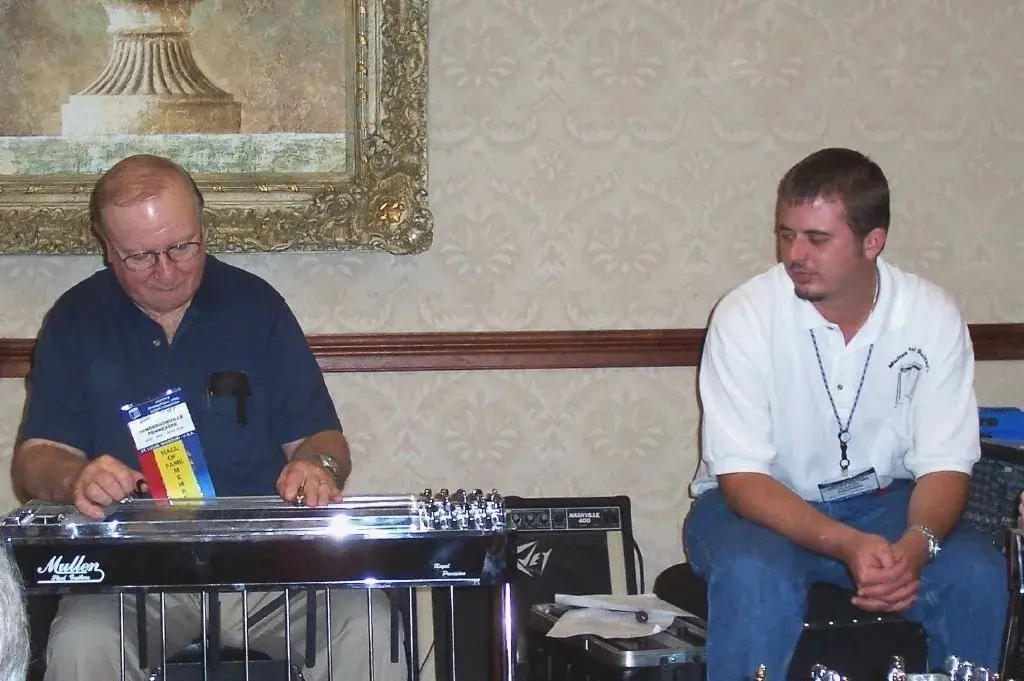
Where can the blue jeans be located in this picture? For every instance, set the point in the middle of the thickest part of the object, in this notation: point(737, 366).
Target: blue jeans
point(758, 581)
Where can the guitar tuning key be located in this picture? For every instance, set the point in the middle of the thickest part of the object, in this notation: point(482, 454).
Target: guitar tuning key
point(897, 669)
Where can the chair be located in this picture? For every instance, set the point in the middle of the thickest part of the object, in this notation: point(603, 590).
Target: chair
point(857, 643)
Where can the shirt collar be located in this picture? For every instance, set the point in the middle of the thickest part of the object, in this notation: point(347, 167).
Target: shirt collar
point(886, 315)
point(204, 302)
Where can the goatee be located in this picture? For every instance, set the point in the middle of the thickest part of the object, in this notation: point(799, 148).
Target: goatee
point(809, 296)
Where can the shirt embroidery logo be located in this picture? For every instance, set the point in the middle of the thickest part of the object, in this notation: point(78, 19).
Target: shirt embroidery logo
point(912, 363)
point(906, 382)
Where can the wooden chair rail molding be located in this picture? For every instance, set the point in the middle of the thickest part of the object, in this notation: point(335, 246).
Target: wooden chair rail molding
point(525, 349)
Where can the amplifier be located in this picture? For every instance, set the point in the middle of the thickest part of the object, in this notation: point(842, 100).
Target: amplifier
point(570, 545)
point(996, 483)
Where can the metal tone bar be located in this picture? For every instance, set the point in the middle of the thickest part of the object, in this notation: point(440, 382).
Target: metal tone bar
point(369, 630)
point(451, 630)
point(163, 637)
point(330, 636)
point(245, 630)
point(120, 605)
point(204, 600)
point(508, 634)
point(288, 631)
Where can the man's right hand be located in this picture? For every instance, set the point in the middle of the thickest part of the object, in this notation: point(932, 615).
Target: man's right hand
point(880, 575)
point(103, 481)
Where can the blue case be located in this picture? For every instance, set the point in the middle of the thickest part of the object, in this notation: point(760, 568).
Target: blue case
point(1002, 423)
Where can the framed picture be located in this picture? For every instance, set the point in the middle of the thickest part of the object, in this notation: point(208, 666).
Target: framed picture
point(303, 122)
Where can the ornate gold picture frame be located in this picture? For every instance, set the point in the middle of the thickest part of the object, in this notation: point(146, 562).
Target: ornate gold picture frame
point(166, 87)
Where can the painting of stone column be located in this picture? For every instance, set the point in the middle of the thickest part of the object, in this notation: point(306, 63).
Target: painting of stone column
point(222, 86)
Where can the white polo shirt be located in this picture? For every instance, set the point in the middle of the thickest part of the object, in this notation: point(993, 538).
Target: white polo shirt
point(766, 410)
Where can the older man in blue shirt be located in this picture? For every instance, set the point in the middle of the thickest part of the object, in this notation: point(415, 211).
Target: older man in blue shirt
point(165, 315)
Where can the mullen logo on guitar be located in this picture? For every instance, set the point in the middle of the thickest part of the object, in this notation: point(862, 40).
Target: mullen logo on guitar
point(76, 570)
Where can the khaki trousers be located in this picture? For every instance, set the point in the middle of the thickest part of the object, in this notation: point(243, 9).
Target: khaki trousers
point(85, 643)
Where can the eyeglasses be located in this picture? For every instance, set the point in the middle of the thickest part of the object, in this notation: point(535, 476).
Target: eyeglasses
point(138, 262)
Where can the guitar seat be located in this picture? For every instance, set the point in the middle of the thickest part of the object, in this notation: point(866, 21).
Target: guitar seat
point(224, 663)
point(193, 652)
point(837, 634)
point(187, 665)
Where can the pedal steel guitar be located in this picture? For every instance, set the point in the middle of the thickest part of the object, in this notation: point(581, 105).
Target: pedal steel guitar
point(147, 545)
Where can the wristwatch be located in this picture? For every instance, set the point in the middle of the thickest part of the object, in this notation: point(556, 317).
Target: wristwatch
point(330, 465)
point(933, 542)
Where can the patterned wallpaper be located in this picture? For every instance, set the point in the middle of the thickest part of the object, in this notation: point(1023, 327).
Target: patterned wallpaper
point(611, 164)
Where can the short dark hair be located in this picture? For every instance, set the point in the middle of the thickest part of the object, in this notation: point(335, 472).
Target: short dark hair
point(838, 174)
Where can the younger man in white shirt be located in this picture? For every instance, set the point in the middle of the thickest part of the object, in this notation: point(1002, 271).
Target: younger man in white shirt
point(840, 428)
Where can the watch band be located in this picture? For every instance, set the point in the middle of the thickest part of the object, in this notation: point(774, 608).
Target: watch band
point(933, 542)
point(329, 464)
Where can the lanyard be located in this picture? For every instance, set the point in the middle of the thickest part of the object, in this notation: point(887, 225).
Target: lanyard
point(844, 431)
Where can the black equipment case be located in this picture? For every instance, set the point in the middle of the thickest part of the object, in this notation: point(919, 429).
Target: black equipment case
point(676, 654)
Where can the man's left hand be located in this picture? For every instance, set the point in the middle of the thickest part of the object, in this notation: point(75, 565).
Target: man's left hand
point(308, 483)
point(912, 552)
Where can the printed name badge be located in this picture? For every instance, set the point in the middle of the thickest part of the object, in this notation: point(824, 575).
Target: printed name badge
point(169, 450)
point(849, 486)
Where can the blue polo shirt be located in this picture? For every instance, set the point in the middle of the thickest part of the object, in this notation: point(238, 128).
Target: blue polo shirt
point(97, 351)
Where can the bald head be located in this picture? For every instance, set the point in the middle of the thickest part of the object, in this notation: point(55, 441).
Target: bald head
point(136, 179)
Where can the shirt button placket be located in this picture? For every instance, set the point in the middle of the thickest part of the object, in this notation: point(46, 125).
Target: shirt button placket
point(164, 357)
point(841, 379)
